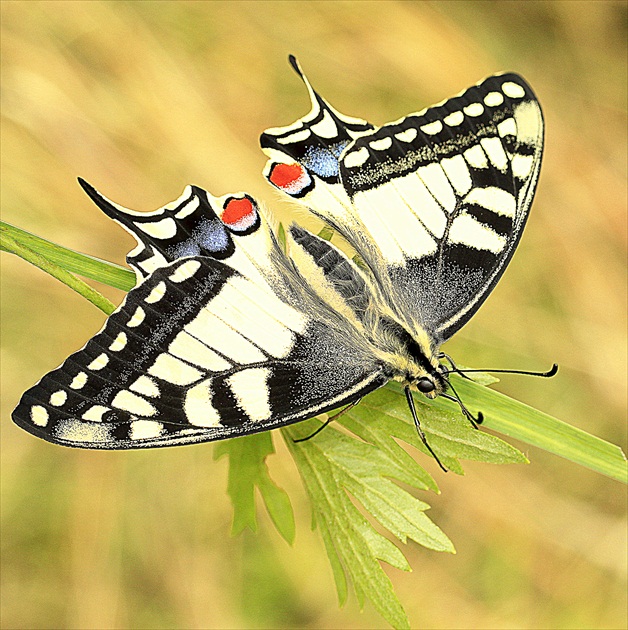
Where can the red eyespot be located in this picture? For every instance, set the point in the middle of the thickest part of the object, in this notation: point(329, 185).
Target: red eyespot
point(291, 178)
point(283, 175)
point(239, 214)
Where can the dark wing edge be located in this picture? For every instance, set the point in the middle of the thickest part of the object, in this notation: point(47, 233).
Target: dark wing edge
point(395, 192)
point(189, 226)
point(179, 374)
point(465, 172)
point(525, 152)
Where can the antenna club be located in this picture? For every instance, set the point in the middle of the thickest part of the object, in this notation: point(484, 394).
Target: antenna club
point(552, 372)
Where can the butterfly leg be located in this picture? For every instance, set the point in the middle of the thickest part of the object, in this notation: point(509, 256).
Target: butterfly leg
point(336, 415)
point(417, 424)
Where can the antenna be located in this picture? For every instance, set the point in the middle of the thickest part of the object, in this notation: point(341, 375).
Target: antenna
point(462, 371)
point(551, 372)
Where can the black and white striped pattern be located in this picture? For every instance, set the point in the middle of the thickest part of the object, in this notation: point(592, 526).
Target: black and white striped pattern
point(204, 349)
point(434, 203)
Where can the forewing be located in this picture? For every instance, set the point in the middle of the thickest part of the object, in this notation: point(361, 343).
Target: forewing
point(434, 203)
point(205, 349)
point(453, 187)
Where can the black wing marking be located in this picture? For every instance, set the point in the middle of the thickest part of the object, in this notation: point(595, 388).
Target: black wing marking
point(467, 170)
point(317, 140)
point(340, 277)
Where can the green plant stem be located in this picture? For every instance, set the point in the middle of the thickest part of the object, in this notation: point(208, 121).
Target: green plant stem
point(10, 244)
point(87, 266)
point(508, 416)
point(522, 422)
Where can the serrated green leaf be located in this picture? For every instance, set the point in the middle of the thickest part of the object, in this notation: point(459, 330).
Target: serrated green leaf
point(385, 550)
point(278, 506)
point(343, 528)
point(333, 464)
point(340, 578)
point(447, 431)
point(363, 470)
point(380, 429)
point(247, 470)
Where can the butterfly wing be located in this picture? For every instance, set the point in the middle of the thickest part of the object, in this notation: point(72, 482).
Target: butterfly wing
point(208, 347)
point(185, 227)
point(434, 203)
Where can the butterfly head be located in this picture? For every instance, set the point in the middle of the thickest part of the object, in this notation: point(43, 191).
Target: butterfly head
point(412, 357)
point(427, 386)
point(431, 381)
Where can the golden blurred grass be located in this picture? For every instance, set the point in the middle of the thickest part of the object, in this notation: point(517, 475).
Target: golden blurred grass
point(143, 98)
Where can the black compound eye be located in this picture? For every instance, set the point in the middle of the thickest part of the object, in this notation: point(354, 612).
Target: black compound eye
point(425, 385)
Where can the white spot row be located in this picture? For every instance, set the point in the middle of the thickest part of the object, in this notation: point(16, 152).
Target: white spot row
point(188, 208)
point(119, 342)
point(78, 382)
point(99, 362)
point(137, 318)
point(293, 138)
point(359, 157)
point(325, 128)
point(58, 398)
point(157, 292)
point(39, 415)
point(86, 431)
point(514, 90)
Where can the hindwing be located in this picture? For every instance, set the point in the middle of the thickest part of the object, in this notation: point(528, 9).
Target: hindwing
point(434, 203)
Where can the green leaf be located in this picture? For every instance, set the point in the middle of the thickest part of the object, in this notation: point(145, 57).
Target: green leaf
point(522, 422)
point(385, 413)
point(326, 233)
point(281, 237)
point(248, 469)
point(87, 266)
point(333, 465)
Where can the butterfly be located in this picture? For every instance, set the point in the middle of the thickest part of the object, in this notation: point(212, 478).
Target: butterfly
point(230, 332)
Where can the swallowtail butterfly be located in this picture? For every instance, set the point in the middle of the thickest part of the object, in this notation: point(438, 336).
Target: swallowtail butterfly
point(227, 333)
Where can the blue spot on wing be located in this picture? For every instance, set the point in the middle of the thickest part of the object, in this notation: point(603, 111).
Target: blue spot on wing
point(207, 237)
point(323, 161)
point(213, 236)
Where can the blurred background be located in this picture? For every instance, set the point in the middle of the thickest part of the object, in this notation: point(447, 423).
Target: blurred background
point(141, 99)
